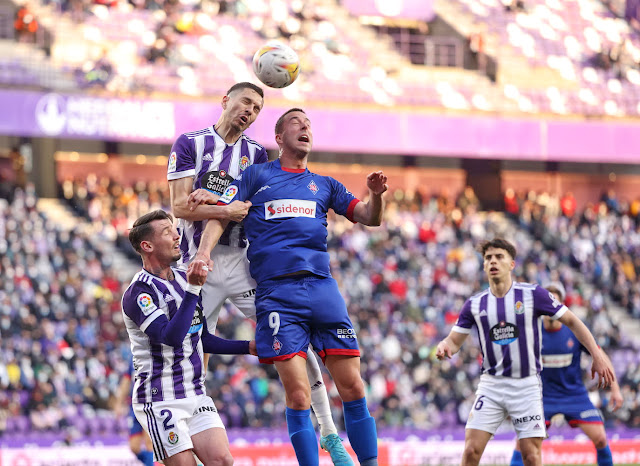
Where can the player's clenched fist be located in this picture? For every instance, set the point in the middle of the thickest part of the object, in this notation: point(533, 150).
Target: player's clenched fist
point(197, 272)
point(377, 182)
point(237, 210)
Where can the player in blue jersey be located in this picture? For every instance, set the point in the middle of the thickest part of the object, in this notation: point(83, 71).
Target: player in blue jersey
point(297, 300)
point(163, 316)
point(563, 391)
point(508, 318)
point(139, 440)
point(201, 166)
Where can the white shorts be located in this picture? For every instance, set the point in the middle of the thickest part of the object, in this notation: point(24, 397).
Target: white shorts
point(500, 397)
point(229, 279)
point(171, 424)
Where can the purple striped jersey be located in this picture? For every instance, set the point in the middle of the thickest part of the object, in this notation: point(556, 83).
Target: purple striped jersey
point(162, 372)
point(204, 156)
point(510, 328)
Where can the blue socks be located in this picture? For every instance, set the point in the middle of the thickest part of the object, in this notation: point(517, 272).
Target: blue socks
point(145, 457)
point(361, 430)
point(604, 456)
point(516, 459)
point(303, 436)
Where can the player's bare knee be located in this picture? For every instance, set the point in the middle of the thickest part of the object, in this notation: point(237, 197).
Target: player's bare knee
point(299, 399)
point(600, 440)
point(472, 454)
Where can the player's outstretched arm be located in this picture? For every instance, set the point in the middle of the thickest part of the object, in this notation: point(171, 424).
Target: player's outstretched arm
point(450, 345)
point(370, 213)
point(615, 396)
point(210, 235)
point(197, 205)
point(600, 365)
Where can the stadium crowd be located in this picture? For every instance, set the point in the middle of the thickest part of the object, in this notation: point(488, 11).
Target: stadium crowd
point(63, 345)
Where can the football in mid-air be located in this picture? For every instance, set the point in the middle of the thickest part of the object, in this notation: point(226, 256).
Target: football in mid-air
point(276, 65)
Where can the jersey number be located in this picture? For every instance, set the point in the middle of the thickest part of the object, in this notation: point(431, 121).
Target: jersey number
point(274, 322)
point(165, 423)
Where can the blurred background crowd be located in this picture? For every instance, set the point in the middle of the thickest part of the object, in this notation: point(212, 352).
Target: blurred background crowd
point(64, 347)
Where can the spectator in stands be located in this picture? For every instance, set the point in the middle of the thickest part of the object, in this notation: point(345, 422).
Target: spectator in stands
point(568, 204)
point(25, 25)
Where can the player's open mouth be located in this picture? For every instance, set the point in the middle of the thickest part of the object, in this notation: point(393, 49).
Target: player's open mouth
point(493, 269)
point(244, 119)
point(304, 138)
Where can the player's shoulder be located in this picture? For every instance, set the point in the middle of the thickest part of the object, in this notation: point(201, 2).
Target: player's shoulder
point(195, 134)
point(140, 283)
point(479, 295)
point(253, 142)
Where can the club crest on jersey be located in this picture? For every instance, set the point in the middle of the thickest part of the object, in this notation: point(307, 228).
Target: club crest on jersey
point(229, 194)
point(145, 302)
point(570, 343)
point(173, 162)
point(277, 346)
point(519, 307)
point(244, 163)
point(172, 438)
point(313, 187)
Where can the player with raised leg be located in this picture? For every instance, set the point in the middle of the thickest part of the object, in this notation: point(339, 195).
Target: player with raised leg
point(563, 391)
point(201, 166)
point(507, 316)
point(297, 300)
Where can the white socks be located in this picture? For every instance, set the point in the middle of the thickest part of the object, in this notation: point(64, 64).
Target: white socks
point(319, 396)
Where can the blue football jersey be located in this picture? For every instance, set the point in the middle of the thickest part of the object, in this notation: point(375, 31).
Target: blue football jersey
point(287, 223)
point(561, 373)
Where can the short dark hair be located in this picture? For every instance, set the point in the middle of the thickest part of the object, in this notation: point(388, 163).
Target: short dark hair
point(498, 243)
point(246, 85)
point(142, 229)
point(280, 121)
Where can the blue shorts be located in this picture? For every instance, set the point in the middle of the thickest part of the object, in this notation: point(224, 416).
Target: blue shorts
point(135, 428)
point(576, 410)
point(295, 311)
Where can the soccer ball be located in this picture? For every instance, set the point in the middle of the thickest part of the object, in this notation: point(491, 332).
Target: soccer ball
point(276, 65)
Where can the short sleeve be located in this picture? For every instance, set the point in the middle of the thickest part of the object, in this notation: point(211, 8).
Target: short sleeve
point(240, 189)
point(140, 304)
point(182, 160)
point(342, 201)
point(465, 320)
point(546, 304)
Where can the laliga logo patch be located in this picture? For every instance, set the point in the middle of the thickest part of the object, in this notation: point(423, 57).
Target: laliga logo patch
point(244, 163)
point(172, 437)
point(313, 187)
point(173, 162)
point(229, 194)
point(519, 307)
point(277, 346)
point(144, 301)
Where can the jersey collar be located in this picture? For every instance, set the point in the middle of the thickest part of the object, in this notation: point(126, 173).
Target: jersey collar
point(290, 170)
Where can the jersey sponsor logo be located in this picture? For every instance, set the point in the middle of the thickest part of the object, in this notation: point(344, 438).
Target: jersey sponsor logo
point(244, 162)
point(277, 346)
point(286, 208)
point(208, 157)
point(229, 194)
point(196, 322)
point(519, 307)
point(346, 333)
point(145, 303)
point(248, 294)
point(313, 187)
point(172, 438)
point(555, 361)
point(216, 181)
point(202, 409)
point(173, 162)
point(521, 420)
point(503, 333)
